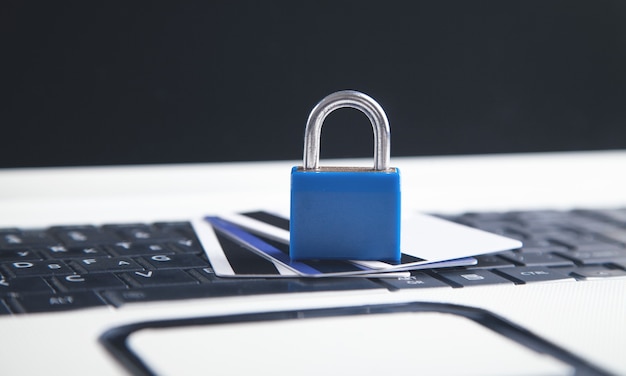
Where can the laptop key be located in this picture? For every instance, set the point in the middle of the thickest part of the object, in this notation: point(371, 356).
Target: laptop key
point(23, 285)
point(474, 277)
point(204, 275)
point(576, 240)
point(149, 278)
point(81, 282)
point(62, 252)
point(490, 262)
point(415, 280)
point(56, 302)
point(179, 228)
point(188, 243)
point(597, 272)
point(596, 257)
point(599, 247)
point(28, 238)
point(140, 249)
point(36, 268)
point(83, 236)
point(530, 274)
point(537, 259)
point(8, 255)
point(542, 247)
point(142, 233)
point(188, 246)
point(178, 261)
point(106, 264)
point(541, 242)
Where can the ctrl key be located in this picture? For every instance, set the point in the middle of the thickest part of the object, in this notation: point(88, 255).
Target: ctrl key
point(56, 302)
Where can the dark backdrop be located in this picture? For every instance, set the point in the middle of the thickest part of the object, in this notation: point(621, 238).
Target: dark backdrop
point(99, 82)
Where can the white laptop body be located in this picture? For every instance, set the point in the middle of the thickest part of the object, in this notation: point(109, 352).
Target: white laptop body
point(587, 319)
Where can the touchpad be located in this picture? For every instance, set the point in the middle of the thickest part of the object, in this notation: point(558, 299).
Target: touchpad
point(318, 342)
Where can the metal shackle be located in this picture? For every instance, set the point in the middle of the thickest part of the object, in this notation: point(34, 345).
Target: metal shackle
point(351, 99)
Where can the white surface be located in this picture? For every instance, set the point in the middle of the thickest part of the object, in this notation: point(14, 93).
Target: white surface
point(441, 184)
point(586, 318)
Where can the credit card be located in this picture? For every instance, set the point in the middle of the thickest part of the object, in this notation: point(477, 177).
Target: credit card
point(277, 253)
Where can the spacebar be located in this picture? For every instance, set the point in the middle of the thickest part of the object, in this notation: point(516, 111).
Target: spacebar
point(238, 288)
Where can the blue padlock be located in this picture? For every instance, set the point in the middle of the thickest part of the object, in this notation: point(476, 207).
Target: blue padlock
point(345, 213)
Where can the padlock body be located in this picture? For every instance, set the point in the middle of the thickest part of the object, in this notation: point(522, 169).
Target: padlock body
point(345, 215)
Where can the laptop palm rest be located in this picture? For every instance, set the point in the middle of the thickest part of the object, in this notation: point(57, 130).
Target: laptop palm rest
point(422, 338)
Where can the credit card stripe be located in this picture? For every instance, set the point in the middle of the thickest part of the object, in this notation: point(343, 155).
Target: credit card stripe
point(335, 266)
point(242, 260)
point(257, 227)
point(326, 266)
point(274, 220)
point(269, 218)
point(260, 245)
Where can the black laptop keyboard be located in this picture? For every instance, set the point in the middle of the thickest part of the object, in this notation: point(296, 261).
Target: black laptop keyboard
point(72, 267)
point(558, 246)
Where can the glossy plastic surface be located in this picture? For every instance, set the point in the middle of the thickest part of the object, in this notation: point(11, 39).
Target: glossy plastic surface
point(345, 215)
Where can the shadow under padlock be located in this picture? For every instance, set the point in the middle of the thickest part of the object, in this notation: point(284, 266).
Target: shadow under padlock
point(345, 213)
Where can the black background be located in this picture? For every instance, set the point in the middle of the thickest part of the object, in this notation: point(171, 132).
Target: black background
point(100, 83)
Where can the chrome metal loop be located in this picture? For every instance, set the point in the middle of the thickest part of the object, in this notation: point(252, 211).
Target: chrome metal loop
point(351, 99)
